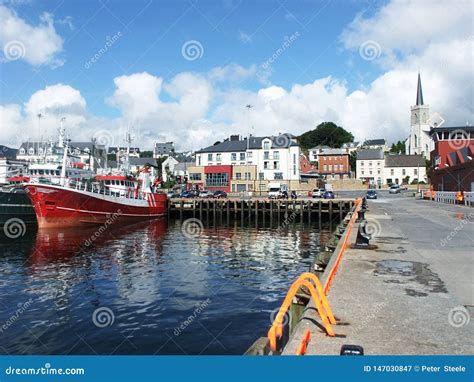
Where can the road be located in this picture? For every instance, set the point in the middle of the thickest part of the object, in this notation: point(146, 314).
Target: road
point(414, 294)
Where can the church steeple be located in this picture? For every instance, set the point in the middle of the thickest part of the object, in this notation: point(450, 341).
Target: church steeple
point(419, 92)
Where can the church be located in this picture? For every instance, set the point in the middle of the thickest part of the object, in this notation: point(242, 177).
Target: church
point(419, 141)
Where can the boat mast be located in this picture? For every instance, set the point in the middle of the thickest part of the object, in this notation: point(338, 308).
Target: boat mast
point(63, 143)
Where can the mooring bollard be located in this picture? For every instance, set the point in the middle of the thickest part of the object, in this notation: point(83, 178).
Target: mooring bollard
point(360, 216)
point(363, 237)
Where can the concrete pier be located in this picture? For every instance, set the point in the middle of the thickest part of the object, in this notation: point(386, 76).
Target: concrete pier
point(413, 294)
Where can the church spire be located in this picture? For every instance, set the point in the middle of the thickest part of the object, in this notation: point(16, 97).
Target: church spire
point(419, 92)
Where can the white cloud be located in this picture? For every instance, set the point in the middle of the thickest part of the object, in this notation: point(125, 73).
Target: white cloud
point(37, 45)
point(195, 110)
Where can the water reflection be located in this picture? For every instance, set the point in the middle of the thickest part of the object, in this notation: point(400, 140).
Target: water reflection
point(152, 277)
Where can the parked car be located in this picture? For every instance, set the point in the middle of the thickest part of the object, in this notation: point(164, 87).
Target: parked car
point(328, 195)
point(172, 194)
point(394, 189)
point(219, 194)
point(371, 194)
point(318, 193)
point(189, 194)
point(205, 194)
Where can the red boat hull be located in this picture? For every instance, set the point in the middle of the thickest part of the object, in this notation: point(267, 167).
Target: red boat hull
point(57, 206)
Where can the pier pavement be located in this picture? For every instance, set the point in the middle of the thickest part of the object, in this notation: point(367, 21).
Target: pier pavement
point(413, 294)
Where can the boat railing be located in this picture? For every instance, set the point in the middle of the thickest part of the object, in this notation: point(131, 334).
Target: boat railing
point(98, 189)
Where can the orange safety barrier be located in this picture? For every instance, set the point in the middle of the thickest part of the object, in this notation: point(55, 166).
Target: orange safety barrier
point(303, 346)
point(319, 298)
point(335, 266)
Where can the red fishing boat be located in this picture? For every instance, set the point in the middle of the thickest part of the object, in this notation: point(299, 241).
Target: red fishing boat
point(106, 200)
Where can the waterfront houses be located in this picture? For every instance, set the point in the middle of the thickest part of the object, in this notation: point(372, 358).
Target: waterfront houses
point(377, 168)
point(247, 164)
point(163, 149)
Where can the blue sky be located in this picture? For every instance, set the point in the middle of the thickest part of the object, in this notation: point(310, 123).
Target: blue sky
point(241, 34)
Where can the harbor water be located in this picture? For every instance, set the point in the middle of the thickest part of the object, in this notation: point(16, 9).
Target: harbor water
point(158, 287)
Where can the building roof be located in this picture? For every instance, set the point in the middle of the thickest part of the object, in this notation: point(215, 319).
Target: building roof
point(7, 152)
point(419, 92)
point(114, 149)
point(281, 141)
point(319, 147)
point(350, 144)
point(375, 142)
point(450, 129)
point(142, 161)
point(370, 154)
point(404, 161)
point(334, 152)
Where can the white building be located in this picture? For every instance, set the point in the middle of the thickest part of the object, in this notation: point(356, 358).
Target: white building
point(276, 158)
point(378, 143)
point(419, 142)
point(370, 165)
point(162, 149)
point(404, 169)
point(167, 167)
point(377, 168)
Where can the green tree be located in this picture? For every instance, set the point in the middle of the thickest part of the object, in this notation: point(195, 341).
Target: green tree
point(146, 154)
point(326, 133)
point(398, 147)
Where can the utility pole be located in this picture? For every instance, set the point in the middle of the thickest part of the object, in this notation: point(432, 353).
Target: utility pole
point(249, 107)
point(39, 115)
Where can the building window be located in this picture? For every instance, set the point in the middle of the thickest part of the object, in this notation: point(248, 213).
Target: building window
point(22, 151)
point(362, 163)
point(330, 167)
point(278, 176)
point(275, 166)
point(378, 172)
point(266, 155)
point(233, 156)
point(242, 156)
point(370, 172)
point(378, 163)
point(238, 176)
point(248, 176)
point(261, 175)
point(218, 156)
point(217, 179)
point(276, 155)
point(392, 172)
point(31, 151)
point(266, 145)
point(249, 154)
point(362, 172)
point(199, 160)
point(195, 176)
point(325, 167)
point(209, 157)
point(404, 172)
point(265, 165)
point(370, 163)
point(415, 171)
